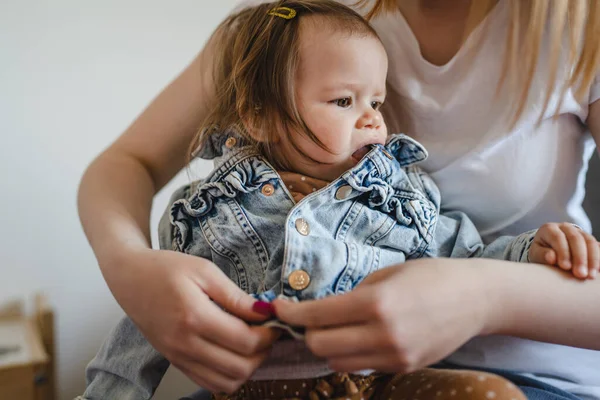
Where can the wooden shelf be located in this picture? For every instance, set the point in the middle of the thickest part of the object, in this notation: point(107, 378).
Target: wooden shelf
point(27, 353)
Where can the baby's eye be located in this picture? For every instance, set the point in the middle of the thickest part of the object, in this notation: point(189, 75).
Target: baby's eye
point(376, 105)
point(343, 102)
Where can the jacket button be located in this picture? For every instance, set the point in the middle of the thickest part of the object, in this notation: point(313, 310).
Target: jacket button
point(343, 192)
point(267, 189)
point(230, 142)
point(302, 226)
point(299, 280)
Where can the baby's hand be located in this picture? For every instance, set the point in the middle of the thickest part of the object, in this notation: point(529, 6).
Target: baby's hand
point(568, 247)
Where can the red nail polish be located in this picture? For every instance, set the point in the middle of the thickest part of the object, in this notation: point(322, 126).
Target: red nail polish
point(263, 308)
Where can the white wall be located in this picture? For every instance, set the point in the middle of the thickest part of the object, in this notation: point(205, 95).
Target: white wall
point(73, 75)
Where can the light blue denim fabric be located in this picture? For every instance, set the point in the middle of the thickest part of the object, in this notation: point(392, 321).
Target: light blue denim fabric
point(382, 212)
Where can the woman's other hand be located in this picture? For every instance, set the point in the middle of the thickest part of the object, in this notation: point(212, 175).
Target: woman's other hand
point(398, 319)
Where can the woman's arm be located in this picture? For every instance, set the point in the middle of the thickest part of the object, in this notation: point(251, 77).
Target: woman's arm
point(173, 308)
point(543, 303)
point(406, 317)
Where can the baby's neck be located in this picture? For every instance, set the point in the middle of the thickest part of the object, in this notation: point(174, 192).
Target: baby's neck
point(300, 185)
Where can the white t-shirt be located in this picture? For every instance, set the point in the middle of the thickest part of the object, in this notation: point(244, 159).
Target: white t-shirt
point(507, 180)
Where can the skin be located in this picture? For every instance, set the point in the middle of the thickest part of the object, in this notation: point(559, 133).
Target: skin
point(567, 247)
point(115, 198)
point(341, 86)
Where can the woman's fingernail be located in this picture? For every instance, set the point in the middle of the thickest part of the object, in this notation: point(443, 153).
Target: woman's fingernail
point(594, 273)
point(583, 271)
point(263, 308)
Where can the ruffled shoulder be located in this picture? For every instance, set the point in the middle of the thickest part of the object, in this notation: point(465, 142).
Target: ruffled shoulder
point(390, 189)
point(246, 176)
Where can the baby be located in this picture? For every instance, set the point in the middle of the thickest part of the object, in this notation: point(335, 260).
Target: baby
point(309, 193)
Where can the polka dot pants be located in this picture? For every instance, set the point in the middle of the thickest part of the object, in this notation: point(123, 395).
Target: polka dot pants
point(426, 384)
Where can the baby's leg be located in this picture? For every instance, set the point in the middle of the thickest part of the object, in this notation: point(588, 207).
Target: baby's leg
point(331, 387)
point(426, 384)
point(443, 384)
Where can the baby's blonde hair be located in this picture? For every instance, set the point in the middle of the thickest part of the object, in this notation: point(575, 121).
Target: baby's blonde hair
point(577, 20)
point(255, 69)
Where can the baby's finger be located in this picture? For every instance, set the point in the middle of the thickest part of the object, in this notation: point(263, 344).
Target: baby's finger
point(542, 255)
point(552, 236)
point(537, 253)
point(593, 248)
point(549, 256)
point(578, 248)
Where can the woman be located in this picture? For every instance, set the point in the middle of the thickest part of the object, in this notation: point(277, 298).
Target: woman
point(478, 85)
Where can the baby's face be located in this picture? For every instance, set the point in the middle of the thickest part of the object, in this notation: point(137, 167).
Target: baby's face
point(340, 85)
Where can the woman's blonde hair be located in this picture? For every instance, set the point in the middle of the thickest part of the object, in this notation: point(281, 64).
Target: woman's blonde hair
point(576, 20)
point(256, 58)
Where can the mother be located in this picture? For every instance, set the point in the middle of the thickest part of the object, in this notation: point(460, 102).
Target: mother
point(503, 94)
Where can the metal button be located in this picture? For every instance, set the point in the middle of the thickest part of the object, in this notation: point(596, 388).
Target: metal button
point(230, 142)
point(387, 154)
point(343, 192)
point(267, 189)
point(299, 280)
point(302, 226)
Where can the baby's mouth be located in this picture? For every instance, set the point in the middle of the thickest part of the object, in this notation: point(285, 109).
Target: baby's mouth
point(360, 153)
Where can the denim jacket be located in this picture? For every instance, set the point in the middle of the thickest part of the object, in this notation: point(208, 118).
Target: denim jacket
point(242, 217)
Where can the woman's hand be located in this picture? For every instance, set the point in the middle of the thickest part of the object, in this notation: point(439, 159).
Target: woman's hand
point(168, 295)
point(398, 319)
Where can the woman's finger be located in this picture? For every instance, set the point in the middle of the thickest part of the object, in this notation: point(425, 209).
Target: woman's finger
point(228, 331)
point(208, 378)
point(226, 362)
point(350, 308)
point(347, 341)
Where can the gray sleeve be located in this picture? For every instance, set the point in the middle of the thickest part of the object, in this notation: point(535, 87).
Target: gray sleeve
point(127, 367)
point(455, 235)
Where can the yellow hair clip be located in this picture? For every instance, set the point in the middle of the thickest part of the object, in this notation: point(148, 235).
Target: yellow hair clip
point(282, 12)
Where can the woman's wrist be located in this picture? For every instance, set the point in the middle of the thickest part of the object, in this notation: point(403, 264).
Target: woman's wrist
point(494, 285)
point(121, 264)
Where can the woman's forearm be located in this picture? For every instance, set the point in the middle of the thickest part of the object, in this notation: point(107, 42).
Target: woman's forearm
point(115, 199)
point(541, 303)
